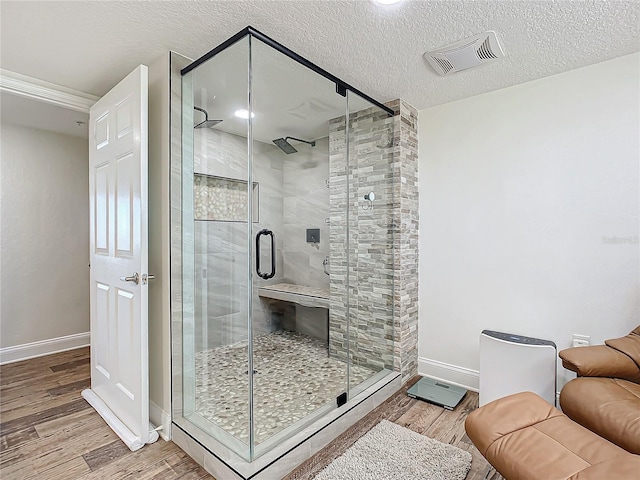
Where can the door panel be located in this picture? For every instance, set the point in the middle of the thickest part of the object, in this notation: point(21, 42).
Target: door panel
point(101, 131)
point(101, 214)
point(126, 179)
point(127, 339)
point(101, 349)
point(118, 196)
point(124, 123)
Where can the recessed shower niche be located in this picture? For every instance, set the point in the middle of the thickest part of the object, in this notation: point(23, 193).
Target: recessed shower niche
point(281, 333)
point(220, 199)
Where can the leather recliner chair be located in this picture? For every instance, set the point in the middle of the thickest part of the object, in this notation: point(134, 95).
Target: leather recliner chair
point(525, 438)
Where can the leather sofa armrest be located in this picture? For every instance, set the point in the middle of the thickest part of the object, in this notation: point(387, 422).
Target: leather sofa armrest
point(506, 415)
point(629, 345)
point(599, 361)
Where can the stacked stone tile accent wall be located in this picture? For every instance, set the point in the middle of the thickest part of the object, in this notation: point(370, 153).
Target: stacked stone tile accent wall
point(406, 220)
point(365, 269)
point(379, 270)
point(338, 255)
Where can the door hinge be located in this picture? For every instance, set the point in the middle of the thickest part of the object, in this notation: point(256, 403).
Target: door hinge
point(341, 399)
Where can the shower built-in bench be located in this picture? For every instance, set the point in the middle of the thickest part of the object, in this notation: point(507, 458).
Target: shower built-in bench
point(300, 294)
point(305, 297)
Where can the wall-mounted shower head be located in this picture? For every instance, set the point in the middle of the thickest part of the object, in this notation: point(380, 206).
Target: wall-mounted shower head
point(286, 147)
point(207, 123)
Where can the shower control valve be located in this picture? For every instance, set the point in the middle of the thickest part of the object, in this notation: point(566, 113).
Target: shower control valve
point(371, 196)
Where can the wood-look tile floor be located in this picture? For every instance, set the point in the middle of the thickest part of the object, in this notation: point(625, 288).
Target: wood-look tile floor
point(48, 431)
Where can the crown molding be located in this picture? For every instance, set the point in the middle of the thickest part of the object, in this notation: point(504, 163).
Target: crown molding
point(40, 90)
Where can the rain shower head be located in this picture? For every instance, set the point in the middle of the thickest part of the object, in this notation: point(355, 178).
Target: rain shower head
point(207, 123)
point(286, 147)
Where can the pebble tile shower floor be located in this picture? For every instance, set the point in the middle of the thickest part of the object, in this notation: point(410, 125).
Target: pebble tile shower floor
point(294, 376)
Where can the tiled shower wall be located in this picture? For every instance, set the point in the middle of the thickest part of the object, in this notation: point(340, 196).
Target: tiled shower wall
point(365, 271)
point(405, 240)
point(221, 283)
point(383, 242)
point(306, 205)
point(292, 196)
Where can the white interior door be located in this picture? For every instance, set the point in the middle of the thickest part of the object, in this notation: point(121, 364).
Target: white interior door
point(119, 234)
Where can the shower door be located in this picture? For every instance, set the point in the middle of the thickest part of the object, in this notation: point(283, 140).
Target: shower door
point(295, 378)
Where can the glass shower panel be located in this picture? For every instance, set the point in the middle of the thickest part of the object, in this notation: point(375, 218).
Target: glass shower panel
point(295, 378)
point(287, 246)
point(370, 138)
point(217, 196)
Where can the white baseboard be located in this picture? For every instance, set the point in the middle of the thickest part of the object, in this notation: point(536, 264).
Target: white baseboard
point(160, 418)
point(44, 347)
point(453, 374)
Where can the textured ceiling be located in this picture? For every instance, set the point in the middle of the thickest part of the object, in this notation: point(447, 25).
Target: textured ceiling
point(90, 46)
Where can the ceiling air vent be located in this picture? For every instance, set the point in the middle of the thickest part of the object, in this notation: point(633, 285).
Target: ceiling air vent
point(468, 53)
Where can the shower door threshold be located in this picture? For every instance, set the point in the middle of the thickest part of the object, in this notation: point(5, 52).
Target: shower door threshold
point(223, 463)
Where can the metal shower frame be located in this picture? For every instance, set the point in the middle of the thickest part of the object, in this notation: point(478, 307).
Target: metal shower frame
point(341, 86)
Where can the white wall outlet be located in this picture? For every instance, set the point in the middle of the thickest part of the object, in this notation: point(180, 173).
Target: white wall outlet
point(580, 340)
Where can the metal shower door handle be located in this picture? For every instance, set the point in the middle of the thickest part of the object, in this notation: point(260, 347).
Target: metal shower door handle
point(266, 276)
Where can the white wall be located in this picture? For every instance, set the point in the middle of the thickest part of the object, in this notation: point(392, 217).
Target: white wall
point(159, 238)
point(45, 236)
point(520, 191)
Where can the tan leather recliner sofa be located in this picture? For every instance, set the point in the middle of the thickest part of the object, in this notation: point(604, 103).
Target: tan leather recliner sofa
point(525, 438)
point(605, 397)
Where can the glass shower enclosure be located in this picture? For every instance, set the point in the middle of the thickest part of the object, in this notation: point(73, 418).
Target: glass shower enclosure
point(287, 245)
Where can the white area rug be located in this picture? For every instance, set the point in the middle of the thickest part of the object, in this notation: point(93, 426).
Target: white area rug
point(392, 452)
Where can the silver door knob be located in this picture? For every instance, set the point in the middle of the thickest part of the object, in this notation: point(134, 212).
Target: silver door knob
point(146, 277)
point(134, 278)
